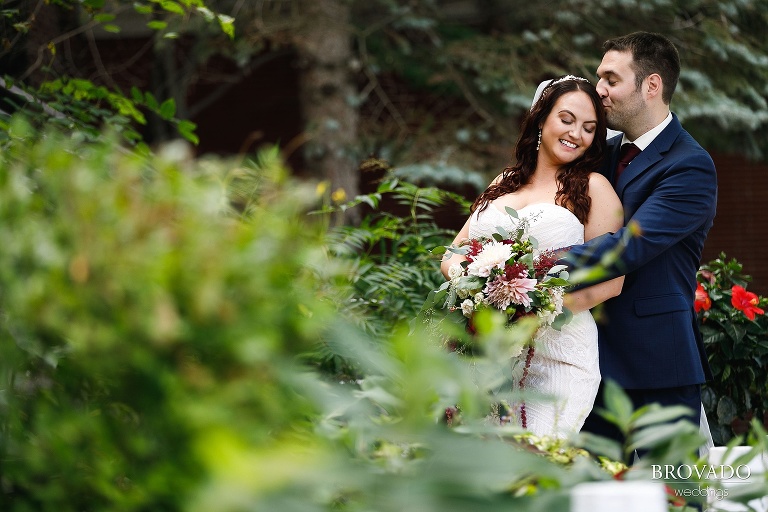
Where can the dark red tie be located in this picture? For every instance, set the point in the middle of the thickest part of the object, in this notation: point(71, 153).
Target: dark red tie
point(628, 152)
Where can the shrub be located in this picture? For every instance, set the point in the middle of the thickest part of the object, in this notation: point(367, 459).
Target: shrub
point(149, 329)
point(737, 348)
point(390, 250)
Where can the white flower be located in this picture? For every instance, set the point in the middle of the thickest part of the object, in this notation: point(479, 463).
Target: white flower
point(557, 298)
point(455, 271)
point(467, 307)
point(463, 293)
point(479, 298)
point(493, 255)
point(547, 316)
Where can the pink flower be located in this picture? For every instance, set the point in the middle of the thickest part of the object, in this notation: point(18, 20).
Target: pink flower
point(502, 292)
point(709, 276)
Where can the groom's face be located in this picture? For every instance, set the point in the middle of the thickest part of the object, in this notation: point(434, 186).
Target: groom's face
point(616, 85)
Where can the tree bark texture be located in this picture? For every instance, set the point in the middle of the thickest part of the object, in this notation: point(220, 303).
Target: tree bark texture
point(328, 93)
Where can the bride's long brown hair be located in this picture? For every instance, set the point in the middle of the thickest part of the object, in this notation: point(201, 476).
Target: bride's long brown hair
point(573, 178)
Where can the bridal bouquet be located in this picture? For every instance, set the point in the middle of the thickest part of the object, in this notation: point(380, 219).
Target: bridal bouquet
point(505, 272)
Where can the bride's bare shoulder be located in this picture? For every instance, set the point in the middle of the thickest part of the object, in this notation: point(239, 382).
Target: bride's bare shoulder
point(598, 180)
point(600, 186)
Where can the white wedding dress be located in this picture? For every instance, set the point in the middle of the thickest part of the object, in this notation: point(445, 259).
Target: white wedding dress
point(565, 370)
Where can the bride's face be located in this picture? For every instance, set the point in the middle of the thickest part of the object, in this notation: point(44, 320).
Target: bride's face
point(569, 129)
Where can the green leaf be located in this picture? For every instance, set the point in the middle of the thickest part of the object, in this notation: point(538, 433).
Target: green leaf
point(168, 109)
point(171, 6)
point(142, 8)
point(157, 25)
point(151, 101)
point(618, 403)
point(387, 186)
point(601, 445)
point(463, 250)
point(435, 297)
point(556, 281)
point(562, 319)
point(726, 410)
point(206, 13)
point(137, 95)
point(22, 27)
point(652, 436)
point(187, 130)
point(470, 283)
point(104, 17)
point(512, 212)
point(227, 24)
point(437, 251)
point(652, 415)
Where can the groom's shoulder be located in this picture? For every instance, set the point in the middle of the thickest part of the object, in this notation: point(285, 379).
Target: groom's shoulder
point(687, 147)
point(682, 138)
point(687, 153)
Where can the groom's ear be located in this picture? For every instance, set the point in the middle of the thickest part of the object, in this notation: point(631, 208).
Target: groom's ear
point(654, 85)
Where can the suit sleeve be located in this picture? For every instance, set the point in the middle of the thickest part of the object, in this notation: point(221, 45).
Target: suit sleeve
point(681, 201)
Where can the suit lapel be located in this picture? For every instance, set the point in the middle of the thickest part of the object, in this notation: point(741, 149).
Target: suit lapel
point(640, 163)
point(612, 150)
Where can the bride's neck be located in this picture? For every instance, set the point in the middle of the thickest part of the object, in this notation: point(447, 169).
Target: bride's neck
point(544, 174)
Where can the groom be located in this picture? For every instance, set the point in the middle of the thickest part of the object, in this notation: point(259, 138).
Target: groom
point(649, 340)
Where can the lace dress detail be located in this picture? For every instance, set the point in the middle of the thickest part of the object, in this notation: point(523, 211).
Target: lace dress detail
point(565, 373)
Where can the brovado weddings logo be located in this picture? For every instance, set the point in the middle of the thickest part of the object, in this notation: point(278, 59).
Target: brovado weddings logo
point(696, 475)
point(706, 471)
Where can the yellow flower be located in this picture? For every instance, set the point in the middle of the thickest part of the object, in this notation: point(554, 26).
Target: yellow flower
point(339, 195)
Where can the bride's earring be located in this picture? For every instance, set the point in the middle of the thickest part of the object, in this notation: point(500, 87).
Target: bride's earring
point(538, 144)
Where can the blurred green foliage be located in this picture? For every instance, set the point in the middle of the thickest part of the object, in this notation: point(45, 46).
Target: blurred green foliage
point(147, 324)
point(84, 103)
point(437, 80)
point(157, 316)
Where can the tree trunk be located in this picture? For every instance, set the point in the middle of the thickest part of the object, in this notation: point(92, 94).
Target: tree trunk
point(324, 45)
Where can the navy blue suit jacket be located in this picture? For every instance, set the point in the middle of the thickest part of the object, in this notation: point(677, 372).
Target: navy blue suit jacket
point(648, 335)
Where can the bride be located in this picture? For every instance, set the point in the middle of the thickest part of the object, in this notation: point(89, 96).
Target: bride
point(553, 185)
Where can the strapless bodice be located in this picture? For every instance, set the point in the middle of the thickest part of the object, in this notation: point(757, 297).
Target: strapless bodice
point(551, 225)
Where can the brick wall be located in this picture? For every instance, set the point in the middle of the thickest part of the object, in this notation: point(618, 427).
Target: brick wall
point(740, 229)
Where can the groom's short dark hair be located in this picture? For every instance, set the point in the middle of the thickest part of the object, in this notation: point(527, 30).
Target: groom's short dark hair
point(651, 53)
